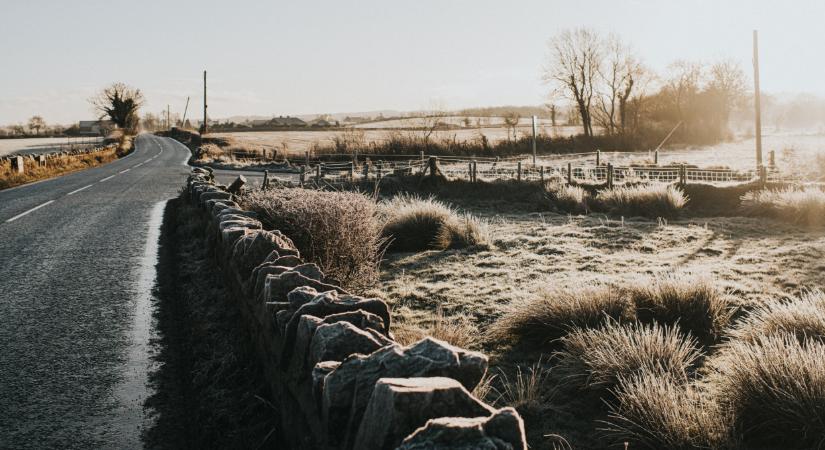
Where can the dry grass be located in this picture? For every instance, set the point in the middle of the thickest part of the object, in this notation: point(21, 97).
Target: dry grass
point(803, 317)
point(774, 389)
point(798, 206)
point(693, 302)
point(596, 359)
point(568, 198)
point(61, 165)
point(525, 390)
point(415, 224)
point(651, 200)
point(338, 231)
point(654, 411)
point(555, 312)
point(457, 331)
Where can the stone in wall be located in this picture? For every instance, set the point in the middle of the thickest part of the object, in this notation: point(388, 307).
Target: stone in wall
point(398, 406)
point(504, 430)
point(347, 389)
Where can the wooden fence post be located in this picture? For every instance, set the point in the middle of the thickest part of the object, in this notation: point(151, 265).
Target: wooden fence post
point(351, 171)
point(366, 169)
point(306, 156)
point(318, 171)
point(421, 155)
point(518, 172)
point(682, 175)
point(569, 173)
point(433, 164)
point(763, 175)
point(609, 176)
point(656, 157)
point(470, 171)
point(772, 156)
point(598, 158)
point(541, 173)
point(266, 179)
point(475, 171)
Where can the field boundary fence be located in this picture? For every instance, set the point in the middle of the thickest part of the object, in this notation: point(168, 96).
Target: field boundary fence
point(523, 169)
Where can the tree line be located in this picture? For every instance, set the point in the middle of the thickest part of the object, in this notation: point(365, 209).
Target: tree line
point(612, 91)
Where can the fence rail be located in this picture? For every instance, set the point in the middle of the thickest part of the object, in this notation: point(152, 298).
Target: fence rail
point(522, 169)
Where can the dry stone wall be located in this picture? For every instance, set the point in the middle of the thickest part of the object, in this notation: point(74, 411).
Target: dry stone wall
point(340, 379)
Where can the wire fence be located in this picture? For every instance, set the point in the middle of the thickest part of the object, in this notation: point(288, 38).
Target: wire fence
point(522, 169)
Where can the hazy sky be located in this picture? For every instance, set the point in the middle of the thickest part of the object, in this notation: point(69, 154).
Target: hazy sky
point(297, 57)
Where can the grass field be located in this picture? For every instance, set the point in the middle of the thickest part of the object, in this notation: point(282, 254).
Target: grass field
point(460, 295)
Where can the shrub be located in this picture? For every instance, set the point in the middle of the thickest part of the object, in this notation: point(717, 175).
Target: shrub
point(555, 312)
point(597, 358)
point(414, 224)
point(691, 301)
point(774, 389)
point(650, 200)
point(803, 317)
point(336, 230)
point(568, 198)
point(801, 207)
point(653, 410)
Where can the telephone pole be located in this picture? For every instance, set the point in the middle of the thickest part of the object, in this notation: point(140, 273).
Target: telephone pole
point(185, 110)
point(204, 104)
point(756, 100)
point(168, 122)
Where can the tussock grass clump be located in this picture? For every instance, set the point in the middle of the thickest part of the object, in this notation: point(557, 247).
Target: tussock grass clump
point(568, 197)
point(524, 391)
point(693, 302)
point(415, 224)
point(338, 231)
point(652, 410)
point(596, 359)
point(798, 206)
point(774, 389)
point(650, 200)
point(457, 331)
point(554, 313)
point(803, 317)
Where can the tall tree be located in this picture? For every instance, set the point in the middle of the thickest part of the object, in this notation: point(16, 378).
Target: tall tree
point(36, 123)
point(120, 103)
point(573, 67)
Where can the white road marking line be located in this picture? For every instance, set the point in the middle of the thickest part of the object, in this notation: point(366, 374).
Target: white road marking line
point(124, 170)
point(147, 160)
point(137, 165)
point(78, 190)
point(107, 178)
point(29, 211)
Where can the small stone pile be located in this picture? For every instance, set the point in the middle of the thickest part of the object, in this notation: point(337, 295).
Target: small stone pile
point(338, 376)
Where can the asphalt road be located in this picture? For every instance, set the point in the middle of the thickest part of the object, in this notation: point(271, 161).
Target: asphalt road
point(77, 257)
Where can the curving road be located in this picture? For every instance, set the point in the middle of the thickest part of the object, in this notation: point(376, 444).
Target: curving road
point(77, 257)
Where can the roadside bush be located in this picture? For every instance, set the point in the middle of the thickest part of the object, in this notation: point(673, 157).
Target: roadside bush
point(415, 224)
point(774, 389)
point(568, 198)
point(555, 312)
point(803, 317)
point(798, 206)
point(654, 411)
point(650, 200)
point(596, 359)
point(336, 230)
point(693, 302)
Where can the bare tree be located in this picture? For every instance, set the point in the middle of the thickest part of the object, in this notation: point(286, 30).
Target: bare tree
point(619, 74)
point(683, 85)
point(433, 120)
point(573, 67)
point(511, 119)
point(728, 82)
point(120, 103)
point(36, 123)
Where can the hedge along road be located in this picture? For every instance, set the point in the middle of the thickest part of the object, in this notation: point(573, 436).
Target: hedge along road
point(77, 262)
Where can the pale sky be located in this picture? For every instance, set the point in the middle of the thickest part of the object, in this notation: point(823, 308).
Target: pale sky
point(300, 57)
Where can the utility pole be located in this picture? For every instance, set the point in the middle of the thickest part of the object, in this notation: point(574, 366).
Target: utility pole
point(204, 104)
point(756, 100)
point(168, 122)
point(534, 141)
point(183, 121)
